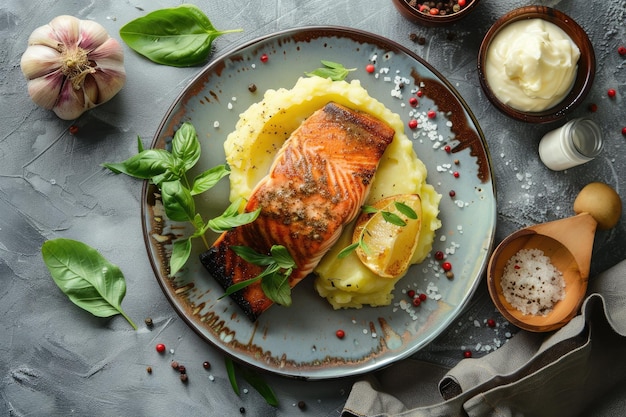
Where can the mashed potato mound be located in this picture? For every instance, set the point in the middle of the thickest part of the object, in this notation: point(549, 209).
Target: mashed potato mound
point(261, 131)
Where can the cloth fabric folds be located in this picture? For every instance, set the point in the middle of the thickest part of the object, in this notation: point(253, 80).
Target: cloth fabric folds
point(563, 373)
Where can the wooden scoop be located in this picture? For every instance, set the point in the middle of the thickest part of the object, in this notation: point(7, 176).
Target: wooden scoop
point(568, 243)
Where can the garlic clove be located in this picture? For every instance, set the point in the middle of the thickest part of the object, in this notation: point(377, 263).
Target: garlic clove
point(71, 102)
point(91, 93)
point(109, 83)
point(92, 35)
point(44, 91)
point(40, 60)
point(66, 29)
point(110, 49)
point(44, 35)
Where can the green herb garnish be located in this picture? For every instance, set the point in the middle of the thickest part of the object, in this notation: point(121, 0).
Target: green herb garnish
point(332, 70)
point(388, 216)
point(251, 378)
point(179, 36)
point(168, 171)
point(86, 277)
point(274, 279)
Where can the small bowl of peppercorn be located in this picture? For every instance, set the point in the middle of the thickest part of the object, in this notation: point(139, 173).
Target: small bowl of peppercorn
point(435, 13)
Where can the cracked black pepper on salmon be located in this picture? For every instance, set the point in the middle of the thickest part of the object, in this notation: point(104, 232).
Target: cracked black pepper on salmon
point(317, 184)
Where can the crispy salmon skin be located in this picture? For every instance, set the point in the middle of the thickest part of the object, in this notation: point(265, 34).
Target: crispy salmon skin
point(316, 185)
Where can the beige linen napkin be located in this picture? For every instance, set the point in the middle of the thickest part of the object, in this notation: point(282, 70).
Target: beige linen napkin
point(578, 370)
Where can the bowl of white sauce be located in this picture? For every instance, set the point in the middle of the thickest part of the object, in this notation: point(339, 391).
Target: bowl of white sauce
point(536, 64)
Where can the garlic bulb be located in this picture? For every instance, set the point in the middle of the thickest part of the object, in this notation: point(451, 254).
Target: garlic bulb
point(72, 65)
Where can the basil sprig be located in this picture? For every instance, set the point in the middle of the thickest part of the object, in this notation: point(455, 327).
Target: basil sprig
point(168, 171)
point(179, 36)
point(274, 279)
point(332, 70)
point(86, 277)
point(251, 378)
point(388, 216)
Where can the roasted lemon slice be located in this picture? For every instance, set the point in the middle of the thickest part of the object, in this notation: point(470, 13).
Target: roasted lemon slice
point(387, 234)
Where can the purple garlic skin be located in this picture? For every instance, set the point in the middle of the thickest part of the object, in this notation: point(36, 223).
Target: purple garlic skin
point(72, 66)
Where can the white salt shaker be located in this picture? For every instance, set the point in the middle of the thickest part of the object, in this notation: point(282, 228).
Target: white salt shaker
point(576, 142)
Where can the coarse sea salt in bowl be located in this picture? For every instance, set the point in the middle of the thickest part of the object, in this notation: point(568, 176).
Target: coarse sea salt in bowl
point(435, 13)
point(570, 261)
point(528, 88)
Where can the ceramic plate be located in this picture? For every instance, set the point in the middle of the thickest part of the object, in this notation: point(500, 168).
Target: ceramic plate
point(300, 341)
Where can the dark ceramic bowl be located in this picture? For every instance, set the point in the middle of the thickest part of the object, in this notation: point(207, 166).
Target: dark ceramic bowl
point(584, 75)
point(427, 19)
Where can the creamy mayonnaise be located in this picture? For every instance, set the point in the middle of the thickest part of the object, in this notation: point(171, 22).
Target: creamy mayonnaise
point(531, 64)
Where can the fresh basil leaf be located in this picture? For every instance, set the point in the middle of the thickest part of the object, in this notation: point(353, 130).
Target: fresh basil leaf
point(179, 36)
point(230, 370)
point(240, 286)
point(177, 201)
point(250, 255)
point(185, 146)
point(332, 70)
point(393, 218)
point(144, 165)
point(181, 250)
point(347, 250)
point(281, 256)
point(369, 209)
point(208, 179)
point(256, 382)
point(276, 288)
point(229, 221)
point(406, 210)
point(86, 277)
point(139, 145)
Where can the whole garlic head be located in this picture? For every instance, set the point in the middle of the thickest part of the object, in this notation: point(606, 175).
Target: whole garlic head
point(72, 65)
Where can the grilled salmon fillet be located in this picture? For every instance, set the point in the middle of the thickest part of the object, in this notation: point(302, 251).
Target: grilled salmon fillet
point(316, 185)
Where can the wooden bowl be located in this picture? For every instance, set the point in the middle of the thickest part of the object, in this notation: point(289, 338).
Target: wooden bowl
point(426, 19)
point(568, 243)
point(584, 76)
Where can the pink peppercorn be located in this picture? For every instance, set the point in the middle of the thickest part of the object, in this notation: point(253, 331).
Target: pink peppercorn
point(417, 301)
point(456, 174)
point(447, 148)
point(491, 323)
point(611, 92)
point(340, 334)
point(264, 58)
point(467, 354)
point(412, 124)
point(624, 131)
point(431, 114)
point(439, 255)
point(370, 68)
point(160, 348)
point(452, 193)
point(411, 293)
point(423, 297)
point(621, 50)
point(413, 102)
point(447, 266)
point(419, 93)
